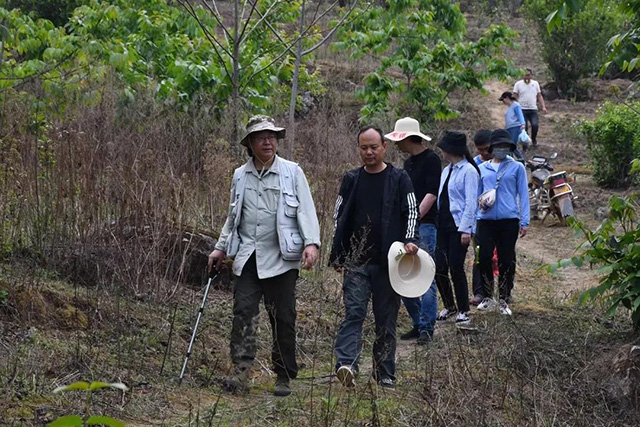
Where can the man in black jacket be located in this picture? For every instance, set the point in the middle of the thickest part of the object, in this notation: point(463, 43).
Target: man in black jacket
point(376, 206)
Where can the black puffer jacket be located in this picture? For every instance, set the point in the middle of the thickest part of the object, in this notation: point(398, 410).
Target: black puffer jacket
point(399, 213)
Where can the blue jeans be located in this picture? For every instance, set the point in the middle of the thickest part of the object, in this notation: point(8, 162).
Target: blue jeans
point(423, 311)
point(359, 284)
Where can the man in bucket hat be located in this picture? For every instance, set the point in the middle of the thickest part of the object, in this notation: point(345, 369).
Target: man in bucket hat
point(423, 166)
point(271, 231)
point(375, 208)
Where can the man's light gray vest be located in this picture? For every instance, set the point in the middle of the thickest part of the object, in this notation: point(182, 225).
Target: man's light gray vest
point(290, 239)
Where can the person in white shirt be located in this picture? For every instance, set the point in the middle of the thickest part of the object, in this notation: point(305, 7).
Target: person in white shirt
point(527, 92)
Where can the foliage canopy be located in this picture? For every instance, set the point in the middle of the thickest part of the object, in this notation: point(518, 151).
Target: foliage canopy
point(422, 56)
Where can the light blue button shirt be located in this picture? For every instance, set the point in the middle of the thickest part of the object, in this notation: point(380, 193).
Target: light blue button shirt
point(512, 196)
point(463, 194)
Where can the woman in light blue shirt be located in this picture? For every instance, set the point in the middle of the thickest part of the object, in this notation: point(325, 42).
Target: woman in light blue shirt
point(457, 207)
point(500, 224)
point(513, 117)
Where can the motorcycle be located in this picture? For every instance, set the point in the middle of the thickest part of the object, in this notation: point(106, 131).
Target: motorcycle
point(549, 193)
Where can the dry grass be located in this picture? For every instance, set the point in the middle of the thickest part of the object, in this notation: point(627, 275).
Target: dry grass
point(549, 363)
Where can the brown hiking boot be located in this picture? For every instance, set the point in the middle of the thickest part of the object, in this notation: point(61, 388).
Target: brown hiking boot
point(238, 383)
point(282, 387)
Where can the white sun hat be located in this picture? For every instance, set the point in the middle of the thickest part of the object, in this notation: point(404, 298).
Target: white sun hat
point(405, 128)
point(410, 275)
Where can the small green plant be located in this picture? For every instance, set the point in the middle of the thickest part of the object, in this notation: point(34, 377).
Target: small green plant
point(86, 419)
point(614, 249)
point(4, 296)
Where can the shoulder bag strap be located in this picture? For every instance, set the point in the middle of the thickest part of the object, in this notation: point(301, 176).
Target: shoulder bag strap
point(501, 175)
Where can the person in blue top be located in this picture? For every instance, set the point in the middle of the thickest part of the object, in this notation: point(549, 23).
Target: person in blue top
point(481, 141)
point(514, 121)
point(500, 225)
point(457, 207)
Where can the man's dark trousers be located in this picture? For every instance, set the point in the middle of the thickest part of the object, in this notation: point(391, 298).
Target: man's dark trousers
point(531, 116)
point(361, 283)
point(280, 303)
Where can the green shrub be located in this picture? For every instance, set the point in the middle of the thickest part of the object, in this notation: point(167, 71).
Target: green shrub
point(578, 48)
point(614, 250)
point(613, 141)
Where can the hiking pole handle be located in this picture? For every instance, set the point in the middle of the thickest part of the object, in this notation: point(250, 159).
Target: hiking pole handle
point(195, 327)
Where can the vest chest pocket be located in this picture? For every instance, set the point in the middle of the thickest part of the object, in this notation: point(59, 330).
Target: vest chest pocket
point(291, 205)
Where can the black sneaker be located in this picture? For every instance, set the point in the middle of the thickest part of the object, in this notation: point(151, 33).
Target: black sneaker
point(282, 387)
point(412, 334)
point(387, 383)
point(425, 338)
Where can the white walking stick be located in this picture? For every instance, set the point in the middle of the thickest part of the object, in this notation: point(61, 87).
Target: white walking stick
point(195, 327)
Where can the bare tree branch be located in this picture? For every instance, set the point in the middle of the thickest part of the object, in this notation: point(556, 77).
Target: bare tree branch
point(218, 18)
point(263, 17)
point(246, 23)
point(276, 59)
point(333, 30)
point(262, 53)
point(300, 36)
point(210, 37)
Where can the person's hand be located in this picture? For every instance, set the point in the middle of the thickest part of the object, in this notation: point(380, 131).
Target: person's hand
point(309, 257)
point(411, 249)
point(523, 231)
point(544, 110)
point(465, 239)
point(215, 259)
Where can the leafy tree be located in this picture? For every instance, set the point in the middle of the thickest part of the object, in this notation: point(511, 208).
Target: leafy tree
point(152, 45)
point(624, 47)
point(577, 49)
point(250, 46)
point(423, 56)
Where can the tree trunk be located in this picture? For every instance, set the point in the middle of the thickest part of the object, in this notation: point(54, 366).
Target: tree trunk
point(291, 132)
point(235, 82)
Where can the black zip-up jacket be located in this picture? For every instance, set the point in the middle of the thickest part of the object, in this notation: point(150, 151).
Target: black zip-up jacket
point(399, 213)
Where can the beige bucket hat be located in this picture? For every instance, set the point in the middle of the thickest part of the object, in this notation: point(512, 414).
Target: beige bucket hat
point(410, 275)
point(405, 128)
point(259, 123)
